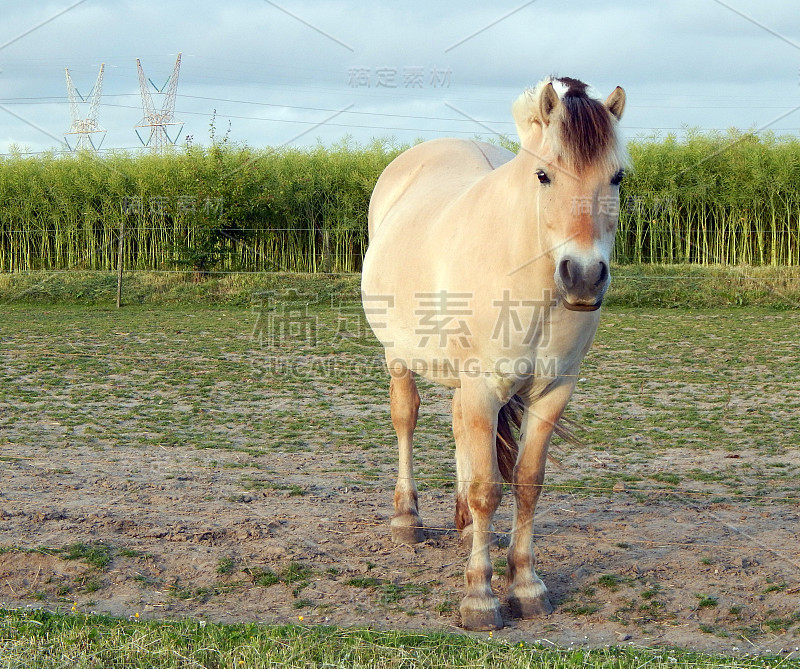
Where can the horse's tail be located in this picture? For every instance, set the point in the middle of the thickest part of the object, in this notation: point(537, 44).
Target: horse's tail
point(509, 421)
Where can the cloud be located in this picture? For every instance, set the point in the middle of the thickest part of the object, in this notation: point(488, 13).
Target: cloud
point(679, 60)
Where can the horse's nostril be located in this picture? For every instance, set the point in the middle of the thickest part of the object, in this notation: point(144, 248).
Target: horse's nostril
point(566, 271)
point(602, 274)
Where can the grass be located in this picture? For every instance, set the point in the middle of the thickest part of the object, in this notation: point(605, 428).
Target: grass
point(659, 383)
point(262, 577)
point(706, 601)
point(48, 640)
point(639, 286)
point(176, 364)
point(390, 592)
point(95, 555)
point(226, 566)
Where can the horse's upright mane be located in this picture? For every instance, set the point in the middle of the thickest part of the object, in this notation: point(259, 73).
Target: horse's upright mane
point(586, 131)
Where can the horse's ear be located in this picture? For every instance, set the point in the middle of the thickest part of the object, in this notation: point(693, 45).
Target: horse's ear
point(616, 102)
point(548, 103)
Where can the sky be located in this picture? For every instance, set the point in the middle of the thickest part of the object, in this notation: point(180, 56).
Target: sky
point(302, 72)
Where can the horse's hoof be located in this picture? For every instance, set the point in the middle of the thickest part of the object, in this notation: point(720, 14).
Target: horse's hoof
point(530, 607)
point(405, 531)
point(481, 618)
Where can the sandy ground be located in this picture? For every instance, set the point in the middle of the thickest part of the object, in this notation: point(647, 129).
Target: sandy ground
point(201, 486)
point(626, 568)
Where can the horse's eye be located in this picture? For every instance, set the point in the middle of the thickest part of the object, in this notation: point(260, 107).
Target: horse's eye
point(616, 180)
point(543, 178)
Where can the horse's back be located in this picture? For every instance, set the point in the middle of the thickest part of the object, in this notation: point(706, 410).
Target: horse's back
point(423, 180)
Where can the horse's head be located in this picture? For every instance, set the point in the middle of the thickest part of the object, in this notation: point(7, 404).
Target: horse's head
point(573, 158)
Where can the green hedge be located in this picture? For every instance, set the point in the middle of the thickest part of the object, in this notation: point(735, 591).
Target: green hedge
point(711, 199)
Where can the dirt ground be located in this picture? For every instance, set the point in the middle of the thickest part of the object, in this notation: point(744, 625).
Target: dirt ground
point(666, 570)
point(147, 470)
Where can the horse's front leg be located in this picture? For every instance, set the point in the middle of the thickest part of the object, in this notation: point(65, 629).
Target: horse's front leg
point(527, 594)
point(480, 609)
point(407, 525)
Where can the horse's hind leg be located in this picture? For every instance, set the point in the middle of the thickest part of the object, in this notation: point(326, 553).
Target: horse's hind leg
point(404, 401)
point(463, 517)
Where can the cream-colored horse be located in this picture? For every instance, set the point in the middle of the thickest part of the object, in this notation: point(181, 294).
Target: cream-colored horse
point(485, 272)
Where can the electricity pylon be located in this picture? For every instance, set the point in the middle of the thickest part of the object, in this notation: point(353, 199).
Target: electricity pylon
point(159, 120)
point(85, 127)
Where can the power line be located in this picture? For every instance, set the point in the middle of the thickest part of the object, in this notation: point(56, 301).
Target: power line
point(395, 128)
point(54, 99)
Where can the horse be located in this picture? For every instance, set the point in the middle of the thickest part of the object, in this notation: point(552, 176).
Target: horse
point(485, 271)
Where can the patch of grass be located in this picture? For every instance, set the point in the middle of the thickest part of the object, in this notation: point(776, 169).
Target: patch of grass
point(651, 592)
point(293, 489)
point(586, 609)
point(653, 609)
point(663, 477)
point(97, 555)
point(393, 592)
point(201, 594)
point(133, 553)
point(364, 582)
point(262, 577)
point(706, 601)
point(294, 572)
point(390, 592)
point(92, 585)
point(446, 606)
point(775, 587)
point(38, 638)
point(708, 477)
point(226, 566)
point(710, 629)
point(610, 581)
point(781, 625)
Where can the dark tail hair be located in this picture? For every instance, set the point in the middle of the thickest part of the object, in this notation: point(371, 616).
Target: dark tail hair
point(509, 421)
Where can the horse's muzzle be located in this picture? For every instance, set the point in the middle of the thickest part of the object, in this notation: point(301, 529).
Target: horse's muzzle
point(582, 284)
point(582, 307)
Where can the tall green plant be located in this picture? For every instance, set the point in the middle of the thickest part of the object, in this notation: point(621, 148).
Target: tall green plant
point(710, 199)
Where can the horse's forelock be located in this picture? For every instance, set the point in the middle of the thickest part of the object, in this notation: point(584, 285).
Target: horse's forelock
point(586, 132)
